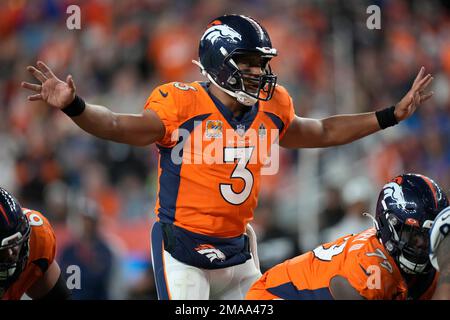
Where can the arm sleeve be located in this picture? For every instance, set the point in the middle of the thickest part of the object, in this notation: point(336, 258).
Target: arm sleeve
point(282, 107)
point(43, 240)
point(163, 101)
point(290, 114)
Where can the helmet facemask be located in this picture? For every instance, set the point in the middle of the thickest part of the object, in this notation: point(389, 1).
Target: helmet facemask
point(408, 244)
point(414, 246)
point(243, 81)
point(14, 251)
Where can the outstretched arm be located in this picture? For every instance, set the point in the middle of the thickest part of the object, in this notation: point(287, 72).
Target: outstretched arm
point(342, 129)
point(135, 129)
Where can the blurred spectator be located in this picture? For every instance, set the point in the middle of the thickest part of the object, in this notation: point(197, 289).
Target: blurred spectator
point(333, 210)
point(90, 251)
point(358, 194)
point(144, 288)
point(274, 244)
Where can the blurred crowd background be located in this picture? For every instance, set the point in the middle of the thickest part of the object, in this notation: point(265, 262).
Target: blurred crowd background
point(330, 62)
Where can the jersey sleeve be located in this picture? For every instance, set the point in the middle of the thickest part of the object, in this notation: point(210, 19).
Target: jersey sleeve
point(163, 101)
point(372, 276)
point(289, 114)
point(42, 240)
point(282, 107)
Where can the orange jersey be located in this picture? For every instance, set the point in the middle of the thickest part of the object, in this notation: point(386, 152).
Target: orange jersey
point(360, 258)
point(42, 248)
point(214, 189)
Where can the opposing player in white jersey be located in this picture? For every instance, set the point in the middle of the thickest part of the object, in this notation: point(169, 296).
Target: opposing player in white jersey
point(440, 253)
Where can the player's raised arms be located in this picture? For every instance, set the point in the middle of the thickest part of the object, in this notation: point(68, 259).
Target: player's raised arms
point(135, 129)
point(342, 129)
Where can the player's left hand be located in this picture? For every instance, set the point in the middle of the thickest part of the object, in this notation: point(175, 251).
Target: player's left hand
point(415, 96)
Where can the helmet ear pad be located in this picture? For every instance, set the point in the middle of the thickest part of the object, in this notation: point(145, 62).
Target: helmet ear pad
point(232, 81)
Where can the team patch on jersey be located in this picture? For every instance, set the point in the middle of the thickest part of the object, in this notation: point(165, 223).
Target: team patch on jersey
point(210, 252)
point(214, 129)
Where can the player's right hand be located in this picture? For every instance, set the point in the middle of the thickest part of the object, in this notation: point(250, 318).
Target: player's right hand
point(53, 91)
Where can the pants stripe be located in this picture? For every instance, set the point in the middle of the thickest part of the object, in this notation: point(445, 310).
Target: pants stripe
point(159, 263)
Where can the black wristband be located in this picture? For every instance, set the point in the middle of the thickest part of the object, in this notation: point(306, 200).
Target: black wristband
point(386, 117)
point(75, 108)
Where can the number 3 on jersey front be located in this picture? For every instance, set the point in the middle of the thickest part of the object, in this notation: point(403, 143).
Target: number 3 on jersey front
point(243, 155)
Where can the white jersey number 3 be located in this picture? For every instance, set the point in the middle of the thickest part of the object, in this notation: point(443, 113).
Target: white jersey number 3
point(243, 155)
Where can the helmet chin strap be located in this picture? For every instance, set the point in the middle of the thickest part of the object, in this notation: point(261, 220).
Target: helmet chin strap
point(375, 223)
point(241, 96)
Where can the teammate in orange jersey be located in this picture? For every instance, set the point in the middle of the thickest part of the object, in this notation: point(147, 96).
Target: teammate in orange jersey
point(222, 130)
point(440, 253)
point(27, 254)
point(387, 262)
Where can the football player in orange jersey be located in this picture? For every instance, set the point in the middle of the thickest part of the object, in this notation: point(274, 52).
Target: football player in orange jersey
point(202, 244)
point(440, 253)
point(27, 254)
point(389, 261)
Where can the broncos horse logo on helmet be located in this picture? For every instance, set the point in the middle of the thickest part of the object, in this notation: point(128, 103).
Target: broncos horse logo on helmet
point(218, 32)
point(14, 239)
point(227, 39)
point(406, 209)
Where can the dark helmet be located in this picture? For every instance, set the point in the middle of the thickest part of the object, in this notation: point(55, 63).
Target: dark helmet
point(406, 209)
point(228, 39)
point(14, 235)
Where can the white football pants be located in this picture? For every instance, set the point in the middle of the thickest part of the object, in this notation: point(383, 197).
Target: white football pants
point(178, 281)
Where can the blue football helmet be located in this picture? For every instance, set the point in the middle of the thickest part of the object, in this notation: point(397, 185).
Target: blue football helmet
point(14, 240)
point(406, 209)
point(229, 40)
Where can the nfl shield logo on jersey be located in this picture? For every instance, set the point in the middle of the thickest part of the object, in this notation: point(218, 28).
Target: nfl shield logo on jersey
point(240, 129)
point(261, 130)
point(213, 129)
